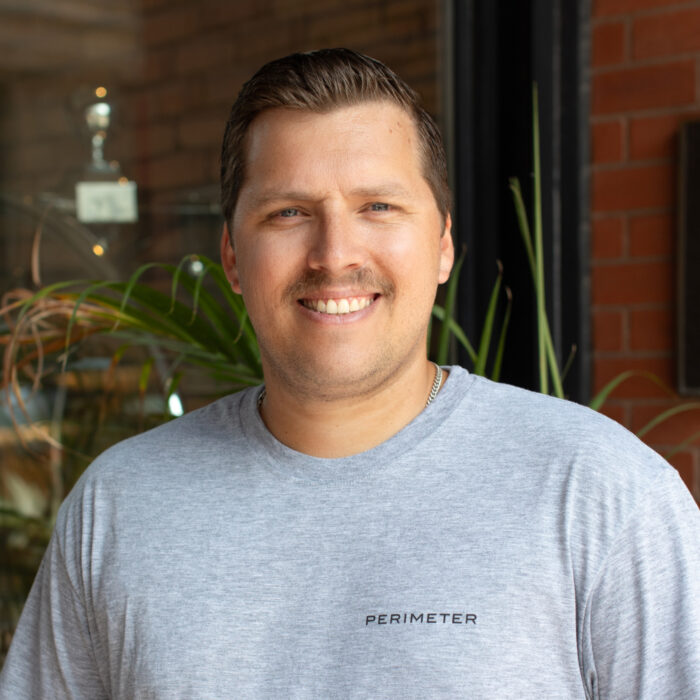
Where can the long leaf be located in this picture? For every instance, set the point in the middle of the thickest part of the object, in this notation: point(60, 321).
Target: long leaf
point(498, 360)
point(602, 396)
point(456, 330)
point(539, 252)
point(487, 330)
point(523, 224)
point(669, 413)
point(443, 348)
point(681, 446)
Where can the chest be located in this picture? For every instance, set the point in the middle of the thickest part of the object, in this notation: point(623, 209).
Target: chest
point(323, 599)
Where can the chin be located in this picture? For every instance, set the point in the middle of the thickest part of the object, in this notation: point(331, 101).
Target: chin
point(335, 378)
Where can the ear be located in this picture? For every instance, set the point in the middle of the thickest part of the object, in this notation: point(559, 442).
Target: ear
point(228, 259)
point(447, 251)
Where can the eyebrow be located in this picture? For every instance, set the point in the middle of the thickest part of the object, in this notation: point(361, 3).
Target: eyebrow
point(386, 190)
point(275, 196)
point(389, 190)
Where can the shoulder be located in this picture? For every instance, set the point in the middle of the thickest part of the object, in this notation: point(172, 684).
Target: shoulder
point(581, 462)
point(164, 458)
point(561, 428)
point(213, 424)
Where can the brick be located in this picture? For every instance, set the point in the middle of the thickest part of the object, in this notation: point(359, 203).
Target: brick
point(54, 121)
point(651, 329)
point(605, 369)
point(289, 36)
point(607, 142)
point(361, 24)
point(672, 431)
point(666, 34)
point(202, 131)
point(608, 238)
point(607, 331)
point(204, 52)
point(154, 140)
point(172, 98)
point(684, 463)
point(608, 44)
point(153, 4)
point(116, 47)
point(654, 137)
point(651, 236)
point(602, 8)
point(158, 64)
point(644, 87)
point(613, 410)
point(410, 18)
point(366, 25)
point(33, 158)
point(218, 14)
point(625, 189)
point(632, 283)
point(429, 92)
point(170, 24)
point(220, 90)
point(409, 59)
point(183, 169)
point(290, 8)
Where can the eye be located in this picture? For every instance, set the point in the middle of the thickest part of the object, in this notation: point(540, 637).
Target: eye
point(288, 213)
point(379, 206)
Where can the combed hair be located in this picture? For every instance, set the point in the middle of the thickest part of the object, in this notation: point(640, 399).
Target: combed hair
point(320, 81)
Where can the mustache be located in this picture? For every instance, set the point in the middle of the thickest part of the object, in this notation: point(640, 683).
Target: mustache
point(314, 281)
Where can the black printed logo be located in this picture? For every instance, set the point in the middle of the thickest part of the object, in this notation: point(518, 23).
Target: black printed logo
point(423, 618)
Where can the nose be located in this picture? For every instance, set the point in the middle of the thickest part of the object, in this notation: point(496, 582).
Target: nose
point(337, 243)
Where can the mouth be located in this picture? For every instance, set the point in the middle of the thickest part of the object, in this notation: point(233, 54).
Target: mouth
point(339, 306)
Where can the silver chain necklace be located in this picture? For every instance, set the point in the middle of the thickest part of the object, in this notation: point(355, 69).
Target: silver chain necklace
point(436, 385)
point(431, 396)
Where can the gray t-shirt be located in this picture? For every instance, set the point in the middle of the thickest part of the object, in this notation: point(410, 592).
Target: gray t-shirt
point(502, 545)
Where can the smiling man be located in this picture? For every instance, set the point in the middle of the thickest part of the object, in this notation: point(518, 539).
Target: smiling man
point(336, 216)
point(367, 524)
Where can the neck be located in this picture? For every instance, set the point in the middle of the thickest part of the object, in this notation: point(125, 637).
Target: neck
point(339, 428)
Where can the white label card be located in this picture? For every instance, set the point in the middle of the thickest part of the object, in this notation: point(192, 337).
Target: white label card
point(106, 202)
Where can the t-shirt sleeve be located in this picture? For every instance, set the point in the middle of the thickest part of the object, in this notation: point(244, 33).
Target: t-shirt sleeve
point(51, 655)
point(641, 632)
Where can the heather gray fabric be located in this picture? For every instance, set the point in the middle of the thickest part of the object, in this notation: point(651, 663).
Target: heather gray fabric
point(503, 545)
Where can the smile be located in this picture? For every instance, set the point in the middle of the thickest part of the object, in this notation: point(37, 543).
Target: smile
point(338, 307)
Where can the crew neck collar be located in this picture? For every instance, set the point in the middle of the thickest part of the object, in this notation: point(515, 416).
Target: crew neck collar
point(297, 465)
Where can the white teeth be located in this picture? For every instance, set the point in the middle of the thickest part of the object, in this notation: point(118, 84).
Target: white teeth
point(338, 307)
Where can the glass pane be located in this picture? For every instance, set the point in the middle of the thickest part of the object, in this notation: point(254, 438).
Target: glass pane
point(111, 119)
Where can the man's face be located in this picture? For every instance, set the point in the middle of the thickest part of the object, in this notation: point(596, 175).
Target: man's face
point(339, 247)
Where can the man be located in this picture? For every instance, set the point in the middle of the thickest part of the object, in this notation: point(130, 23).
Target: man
point(367, 525)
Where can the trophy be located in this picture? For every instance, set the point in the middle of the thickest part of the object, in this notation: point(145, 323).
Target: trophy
point(104, 196)
point(98, 117)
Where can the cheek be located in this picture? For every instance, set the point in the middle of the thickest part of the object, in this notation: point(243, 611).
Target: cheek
point(417, 260)
point(265, 272)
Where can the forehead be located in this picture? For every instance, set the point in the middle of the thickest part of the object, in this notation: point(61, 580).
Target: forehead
point(366, 135)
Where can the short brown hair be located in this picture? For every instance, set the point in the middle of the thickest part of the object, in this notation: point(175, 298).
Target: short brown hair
point(320, 81)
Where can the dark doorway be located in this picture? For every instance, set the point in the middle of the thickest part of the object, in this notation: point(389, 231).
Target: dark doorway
point(499, 48)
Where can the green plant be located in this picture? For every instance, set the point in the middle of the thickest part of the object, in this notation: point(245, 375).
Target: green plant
point(549, 372)
point(192, 326)
point(449, 328)
point(547, 361)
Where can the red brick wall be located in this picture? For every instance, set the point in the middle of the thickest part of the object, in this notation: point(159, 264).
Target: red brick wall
point(646, 82)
